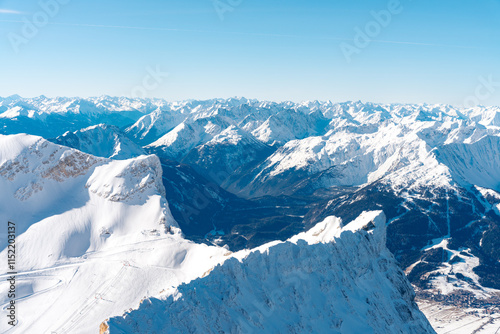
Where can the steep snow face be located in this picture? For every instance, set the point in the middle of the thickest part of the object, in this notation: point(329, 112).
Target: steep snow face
point(48, 188)
point(39, 107)
point(270, 123)
point(347, 158)
point(331, 279)
point(94, 235)
point(151, 127)
point(102, 141)
point(51, 117)
point(230, 150)
point(405, 154)
point(97, 237)
point(486, 116)
point(212, 145)
point(417, 162)
point(31, 165)
point(287, 125)
point(476, 163)
point(183, 138)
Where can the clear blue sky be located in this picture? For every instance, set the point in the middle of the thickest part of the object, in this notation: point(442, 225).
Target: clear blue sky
point(430, 51)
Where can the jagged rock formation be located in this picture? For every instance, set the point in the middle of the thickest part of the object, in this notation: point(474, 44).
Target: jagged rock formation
point(329, 279)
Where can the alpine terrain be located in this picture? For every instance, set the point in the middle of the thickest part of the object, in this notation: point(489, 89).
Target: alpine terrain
point(237, 215)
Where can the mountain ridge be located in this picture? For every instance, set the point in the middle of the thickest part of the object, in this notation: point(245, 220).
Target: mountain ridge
point(298, 289)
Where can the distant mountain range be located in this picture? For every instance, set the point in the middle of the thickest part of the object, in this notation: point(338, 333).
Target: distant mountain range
point(242, 173)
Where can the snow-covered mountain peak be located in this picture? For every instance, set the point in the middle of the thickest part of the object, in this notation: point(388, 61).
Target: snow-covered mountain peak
point(130, 178)
point(373, 222)
point(232, 135)
point(291, 164)
point(404, 155)
point(29, 163)
point(326, 280)
point(101, 140)
point(48, 184)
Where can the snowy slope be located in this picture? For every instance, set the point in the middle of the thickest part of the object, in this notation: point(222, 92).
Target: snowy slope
point(42, 106)
point(168, 115)
point(101, 140)
point(78, 219)
point(432, 168)
point(406, 155)
point(329, 279)
point(474, 163)
point(287, 125)
point(351, 143)
point(229, 151)
point(177, 143)
point(47, 187)
point(97, 237)
point(51, 117)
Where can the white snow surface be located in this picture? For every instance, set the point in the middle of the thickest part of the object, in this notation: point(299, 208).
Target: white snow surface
point(103, 141)
point(331, 279)
point(81, 224)
point(406, 145)
point(95, 237)
point(405, 156)
point(114, 210)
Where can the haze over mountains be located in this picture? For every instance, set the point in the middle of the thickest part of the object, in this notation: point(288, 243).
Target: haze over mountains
point(242, 173)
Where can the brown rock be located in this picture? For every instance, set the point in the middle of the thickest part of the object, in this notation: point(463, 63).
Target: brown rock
point(103, 328)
